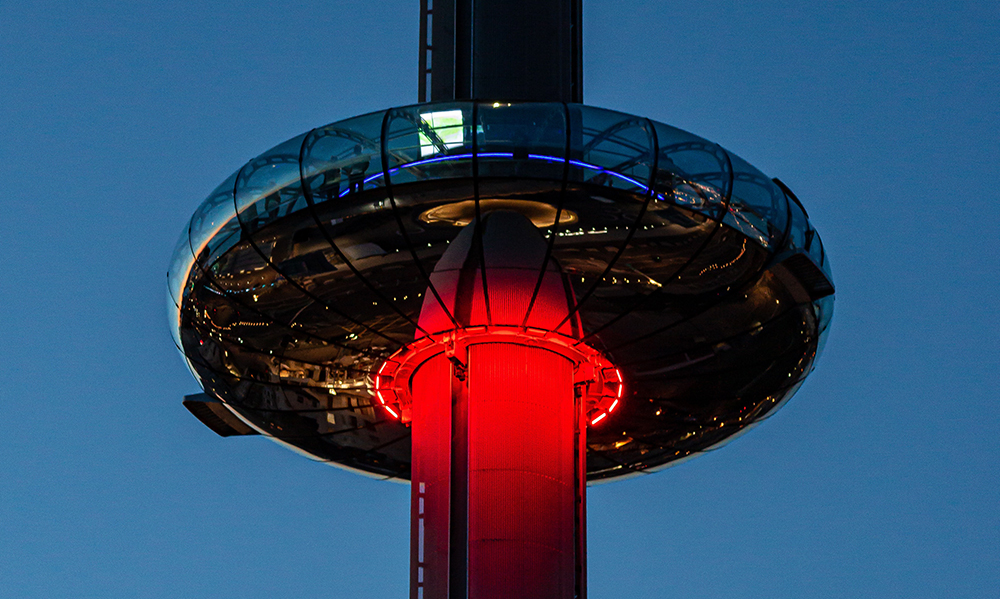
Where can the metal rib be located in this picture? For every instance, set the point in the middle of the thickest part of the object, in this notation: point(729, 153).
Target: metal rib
point(399, 219)
point(555, 224)
point(307, 193)
point(635, 225)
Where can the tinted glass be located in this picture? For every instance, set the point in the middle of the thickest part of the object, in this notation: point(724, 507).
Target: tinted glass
point(304, 270)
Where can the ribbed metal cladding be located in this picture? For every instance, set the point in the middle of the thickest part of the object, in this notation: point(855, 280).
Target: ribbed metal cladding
point(521, 527)
point(431, 480)
point(498, 438)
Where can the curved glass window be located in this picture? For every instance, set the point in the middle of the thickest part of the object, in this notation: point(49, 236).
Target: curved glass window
point(343, 157)
point(313, 262)
point(758, 207)
point(269, 186)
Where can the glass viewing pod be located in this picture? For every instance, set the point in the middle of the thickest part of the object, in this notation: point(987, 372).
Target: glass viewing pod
point(697, 275)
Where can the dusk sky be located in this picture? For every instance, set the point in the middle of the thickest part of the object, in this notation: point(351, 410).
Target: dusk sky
point(879, 479)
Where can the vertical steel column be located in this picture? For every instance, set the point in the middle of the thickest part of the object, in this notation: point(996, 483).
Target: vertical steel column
point(498, 442)
point(528, 50)
point(522, 461)
point(497, 498)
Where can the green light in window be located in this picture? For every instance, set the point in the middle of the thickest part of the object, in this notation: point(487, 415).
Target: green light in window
point(446, 131)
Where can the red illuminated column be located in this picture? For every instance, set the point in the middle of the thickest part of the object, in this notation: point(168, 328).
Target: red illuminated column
point(522, 477)
point(431, 476)
point(498, 430)
point(497, 481)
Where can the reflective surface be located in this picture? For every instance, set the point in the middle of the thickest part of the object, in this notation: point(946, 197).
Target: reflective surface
point(696, 274)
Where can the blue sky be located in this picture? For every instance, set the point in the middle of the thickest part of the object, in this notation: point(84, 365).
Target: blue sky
point(878, 479)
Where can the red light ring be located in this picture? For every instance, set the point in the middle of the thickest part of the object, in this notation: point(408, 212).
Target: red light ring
point(596, 376)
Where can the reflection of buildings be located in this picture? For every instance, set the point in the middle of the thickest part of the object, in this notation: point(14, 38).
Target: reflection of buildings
point(654, 285)
point(694, 294)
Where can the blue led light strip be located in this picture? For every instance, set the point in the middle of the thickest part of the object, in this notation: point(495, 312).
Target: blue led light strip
point(510, 155)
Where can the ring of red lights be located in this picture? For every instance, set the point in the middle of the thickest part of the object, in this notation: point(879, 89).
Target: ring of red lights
point(594, 376)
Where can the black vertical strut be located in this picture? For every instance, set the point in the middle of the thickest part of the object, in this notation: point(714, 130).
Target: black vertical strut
point(528, 50)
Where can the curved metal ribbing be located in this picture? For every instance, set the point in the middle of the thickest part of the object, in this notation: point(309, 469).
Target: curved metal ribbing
point(257, 341)
point(727, 199)
point(733, 292)
point(310, 202)
point(232, 297)
point(250, 240)
point(650, 193)
point(229, 295)
point(607, 133)
point(555, 224)
point(384, 142)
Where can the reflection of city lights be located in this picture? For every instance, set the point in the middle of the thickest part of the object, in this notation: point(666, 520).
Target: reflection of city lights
point(448, 126)
point(462, 213)
point(727, 264)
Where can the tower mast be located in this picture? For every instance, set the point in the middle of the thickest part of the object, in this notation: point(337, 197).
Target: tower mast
point(512, 50)
point(496, 399)
point(524, 50)
point(571, 261)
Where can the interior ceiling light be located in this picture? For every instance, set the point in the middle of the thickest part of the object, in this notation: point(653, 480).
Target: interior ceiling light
point(463, 212)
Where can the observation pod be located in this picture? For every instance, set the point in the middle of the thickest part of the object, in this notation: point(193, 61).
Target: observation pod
point(652, 253)
point(500, 301)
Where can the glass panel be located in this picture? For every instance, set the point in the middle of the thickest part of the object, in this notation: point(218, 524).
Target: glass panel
point(522, 141)
point(429, 142)
point(180, 267)
point(343, 157)
point(214, 220)
point(824, 314)
point(758, 205)
point(799, 236)
point(693, 173)
point(224, 241)
point(174, 321)
point(613, 150)
point(269, 186)
point(440, 130)
point(818, 254)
